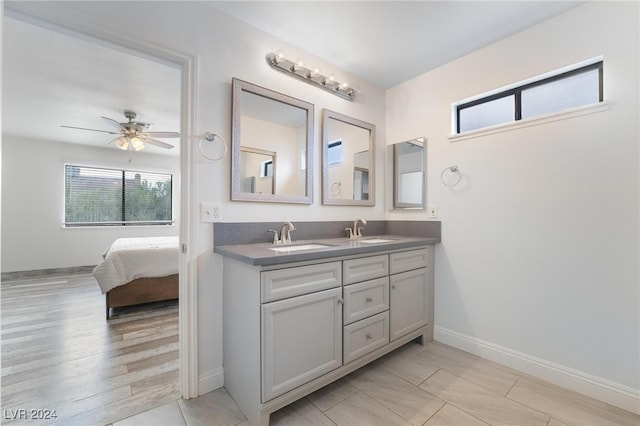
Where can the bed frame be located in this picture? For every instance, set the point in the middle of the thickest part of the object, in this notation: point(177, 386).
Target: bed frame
point(143, 290)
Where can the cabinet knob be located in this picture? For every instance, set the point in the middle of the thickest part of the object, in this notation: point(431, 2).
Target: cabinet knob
point(368, 300)
point(369, 337)
point(393, 287)
point(340, 302)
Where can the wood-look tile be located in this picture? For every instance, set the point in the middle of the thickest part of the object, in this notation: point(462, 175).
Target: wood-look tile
point(165, 415)
point(568, 406)
point(362, 410)
point(59, 352)
point(488, 406)
point(151, 361)
point(450, 415)
point(213, 408)
point(489, 375)
point(300, 413)
point(404, 399)
point(407, 365)
point(556, 422)
point(332, 394)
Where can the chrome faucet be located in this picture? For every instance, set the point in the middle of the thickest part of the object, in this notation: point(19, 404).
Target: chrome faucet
point(285, 238)
point(355, 232)
point(284, 235)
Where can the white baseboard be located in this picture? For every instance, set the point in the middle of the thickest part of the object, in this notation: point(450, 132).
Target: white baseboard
point(210, 381)
point(596, 387)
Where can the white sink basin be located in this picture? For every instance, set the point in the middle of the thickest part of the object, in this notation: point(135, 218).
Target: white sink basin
point(375, 240)
point(298, 248)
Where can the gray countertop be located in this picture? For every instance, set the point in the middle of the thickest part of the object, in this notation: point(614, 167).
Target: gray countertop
point(260, 254)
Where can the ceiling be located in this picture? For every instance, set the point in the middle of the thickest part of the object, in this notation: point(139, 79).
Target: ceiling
point(389, 42)
point(382, 42)
point(52, 79)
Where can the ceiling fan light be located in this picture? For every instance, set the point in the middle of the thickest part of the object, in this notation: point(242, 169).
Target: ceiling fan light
point(137, 144)
point(122, 142)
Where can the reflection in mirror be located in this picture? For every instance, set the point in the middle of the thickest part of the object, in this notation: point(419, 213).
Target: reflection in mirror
point(257, 168)
point(348, 159)
point(407, 164)
point(267, 126)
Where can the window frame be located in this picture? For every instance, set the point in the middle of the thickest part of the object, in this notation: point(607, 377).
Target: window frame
point(335, 145)
point(517, 89)
point(122, 222)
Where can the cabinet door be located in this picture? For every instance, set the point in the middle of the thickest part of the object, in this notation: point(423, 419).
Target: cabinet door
point(409, 307)
point(301, 340)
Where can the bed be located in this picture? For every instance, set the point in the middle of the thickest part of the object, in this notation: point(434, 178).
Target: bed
point(138, 270)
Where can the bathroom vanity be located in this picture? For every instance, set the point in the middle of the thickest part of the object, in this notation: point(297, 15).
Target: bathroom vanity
point(299, 317)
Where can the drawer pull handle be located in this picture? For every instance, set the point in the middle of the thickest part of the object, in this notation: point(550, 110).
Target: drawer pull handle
point(368, 300)
point(369, 337)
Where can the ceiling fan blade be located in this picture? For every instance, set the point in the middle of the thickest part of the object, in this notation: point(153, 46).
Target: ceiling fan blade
point(159, 144)
point(93, 130)
point(113, 123)
point(162, 134)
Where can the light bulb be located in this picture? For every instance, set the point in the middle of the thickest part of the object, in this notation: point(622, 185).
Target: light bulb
point(137, 144)
point(122, 142)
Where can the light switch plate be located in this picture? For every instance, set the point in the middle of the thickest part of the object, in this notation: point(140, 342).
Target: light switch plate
point(210, 212)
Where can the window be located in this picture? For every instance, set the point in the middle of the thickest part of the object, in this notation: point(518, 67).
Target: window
point(266, 169)
point(565, 89)
point(334, 153)
point(109, 197)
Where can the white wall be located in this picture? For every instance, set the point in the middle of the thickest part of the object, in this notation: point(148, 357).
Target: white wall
point(539, 261)
point(33, 203)
point(225, 48)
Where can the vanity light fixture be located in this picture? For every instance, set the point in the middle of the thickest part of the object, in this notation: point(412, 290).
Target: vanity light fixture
point(313, 77)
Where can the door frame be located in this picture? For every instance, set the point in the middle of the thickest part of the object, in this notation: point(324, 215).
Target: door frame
point(56, 19)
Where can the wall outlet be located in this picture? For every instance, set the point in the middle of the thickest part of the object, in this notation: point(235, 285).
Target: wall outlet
point(210, 212)
point(433, 211)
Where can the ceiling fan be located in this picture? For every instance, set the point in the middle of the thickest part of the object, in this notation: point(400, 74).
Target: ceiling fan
point(133, 134)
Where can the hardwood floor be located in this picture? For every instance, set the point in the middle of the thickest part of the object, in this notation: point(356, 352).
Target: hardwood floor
point(59, 353)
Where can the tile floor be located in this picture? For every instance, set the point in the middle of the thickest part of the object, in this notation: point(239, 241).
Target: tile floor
point(415, 385)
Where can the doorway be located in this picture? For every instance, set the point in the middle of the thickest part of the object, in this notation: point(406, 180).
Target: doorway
point(184, 65)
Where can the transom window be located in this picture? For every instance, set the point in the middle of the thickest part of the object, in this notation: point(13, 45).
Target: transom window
point(335, 152)
point(562, 90)
point(111, 197)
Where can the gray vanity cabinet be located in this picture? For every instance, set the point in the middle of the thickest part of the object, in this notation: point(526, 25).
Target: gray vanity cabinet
point(290, 329)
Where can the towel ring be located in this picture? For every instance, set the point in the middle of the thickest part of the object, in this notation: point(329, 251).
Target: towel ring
point(211, 137)
point(452, 169)
point(336, 189)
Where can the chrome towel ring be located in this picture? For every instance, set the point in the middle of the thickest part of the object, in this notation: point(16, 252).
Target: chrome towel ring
point(454, 181)
point(211, 139)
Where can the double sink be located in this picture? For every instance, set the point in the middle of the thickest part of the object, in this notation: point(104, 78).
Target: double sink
point(315, 246)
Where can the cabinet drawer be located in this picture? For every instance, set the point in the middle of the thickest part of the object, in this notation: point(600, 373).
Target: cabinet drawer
point(365, 299)
point(408, 260)
point(365, 336)
point(289, 282)
point(365, 268)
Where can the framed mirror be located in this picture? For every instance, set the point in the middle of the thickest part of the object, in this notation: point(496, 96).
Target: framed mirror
point(406, 163)
point(348, 160)
point(272, 146)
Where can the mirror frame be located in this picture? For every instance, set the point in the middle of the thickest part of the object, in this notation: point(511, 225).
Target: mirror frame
point(238, 87)
point(326, 193)
point(394, 167)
